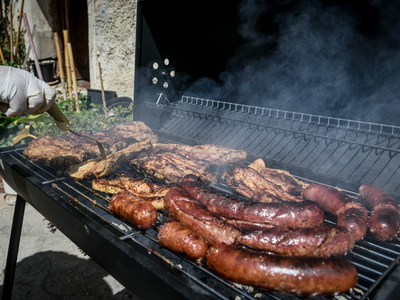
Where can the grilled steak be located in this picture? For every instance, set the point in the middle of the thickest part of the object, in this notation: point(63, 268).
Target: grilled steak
point(56, 152)
point(171, 167)
point(251, 184)
point(280, 177)
point(136, 130)
point(99, 167)
point(212, 154)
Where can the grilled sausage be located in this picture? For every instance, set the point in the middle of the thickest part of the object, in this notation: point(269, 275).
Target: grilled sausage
point(322, 241)
point(284, 214)
point(133, 209)
point(195, 216)
point(300, 275)
point(176, 237)
point(384, 221)
point(349, 213)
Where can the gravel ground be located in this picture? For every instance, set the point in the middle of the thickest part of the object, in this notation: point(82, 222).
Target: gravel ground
point(49, 265)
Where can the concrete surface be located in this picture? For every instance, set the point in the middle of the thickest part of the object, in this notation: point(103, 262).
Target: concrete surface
point(49, 265)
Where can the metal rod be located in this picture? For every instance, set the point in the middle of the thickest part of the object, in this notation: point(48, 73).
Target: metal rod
point(13, 247)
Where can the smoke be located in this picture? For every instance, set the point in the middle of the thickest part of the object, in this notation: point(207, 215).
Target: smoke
point(333, 58)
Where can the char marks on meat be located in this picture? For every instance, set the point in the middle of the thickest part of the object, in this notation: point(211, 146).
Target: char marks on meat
point(171, 167)
point(251, 184)
point(212, 154)
point(284, 214)
point(281, 178)
point(149, 191)
point(99, 167)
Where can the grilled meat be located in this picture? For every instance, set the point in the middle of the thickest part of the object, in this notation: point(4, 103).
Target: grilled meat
point(349, 213)
point(299, 275)
point(321, 241)
point(56, 152)
point(149, 191)
point(251, 184)
point(136, 130)
point(171, 167)
point(176, 237)
point(212, 154)
point(384, 221)
point(196, 217)
point(280, 177)
point(99, 167)
point(134, 209)
point(285, 214)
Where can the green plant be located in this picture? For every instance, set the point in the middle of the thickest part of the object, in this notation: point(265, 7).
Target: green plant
point(88, 118)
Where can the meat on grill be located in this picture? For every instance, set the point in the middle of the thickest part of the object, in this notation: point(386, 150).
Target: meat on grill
point(321, 241)
point(298, 275)
point(56, 152)
point(135, 130)
point(349, 213)
point(212, 154)
point(251, 184)
point(196, 217)
point(171, 167)
point(384, 221)
point(135, 210)
point(177, 238)
point(100, 167)
point(284, 214)
point(281, 178)
point(149, 191)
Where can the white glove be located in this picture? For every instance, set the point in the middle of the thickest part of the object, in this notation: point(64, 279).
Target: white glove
point(23, 93)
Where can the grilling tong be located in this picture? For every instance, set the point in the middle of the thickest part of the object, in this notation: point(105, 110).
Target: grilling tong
point(63, 123)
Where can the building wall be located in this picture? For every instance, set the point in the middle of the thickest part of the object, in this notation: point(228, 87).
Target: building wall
point(112, 44)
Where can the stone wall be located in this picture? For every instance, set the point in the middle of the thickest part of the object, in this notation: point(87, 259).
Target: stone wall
point(112, 43)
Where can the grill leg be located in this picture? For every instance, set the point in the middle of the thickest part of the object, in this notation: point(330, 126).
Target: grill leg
point(13, 248)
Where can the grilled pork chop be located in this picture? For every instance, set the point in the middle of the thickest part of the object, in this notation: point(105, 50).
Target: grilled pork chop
point(251, 184)
point(171, 167)
point(99, 167)
point(149, 191)
point(280, 177)
point(212, 154)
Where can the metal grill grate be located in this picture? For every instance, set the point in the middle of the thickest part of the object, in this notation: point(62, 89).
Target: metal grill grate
point(335, 151)
point(373, 260)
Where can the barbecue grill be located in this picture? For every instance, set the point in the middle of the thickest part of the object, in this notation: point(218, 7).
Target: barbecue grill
point(315, 148)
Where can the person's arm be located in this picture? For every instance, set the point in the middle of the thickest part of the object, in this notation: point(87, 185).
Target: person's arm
point(23, 93)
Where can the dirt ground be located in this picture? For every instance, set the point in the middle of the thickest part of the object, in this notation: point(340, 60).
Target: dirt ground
point(49, 265)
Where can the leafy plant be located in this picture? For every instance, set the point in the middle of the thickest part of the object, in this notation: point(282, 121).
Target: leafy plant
point(88, 118)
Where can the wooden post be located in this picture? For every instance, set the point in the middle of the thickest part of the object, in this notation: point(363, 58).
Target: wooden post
point(19, 29)
point(2, 56)
point(67, 65)
point(73, 73)
point(11, 35)
point(103, 96)
point(60, 64)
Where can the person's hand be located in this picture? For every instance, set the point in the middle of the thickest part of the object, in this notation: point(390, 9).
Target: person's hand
point(23, 93)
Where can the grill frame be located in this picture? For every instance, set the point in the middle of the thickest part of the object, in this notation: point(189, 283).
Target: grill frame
point(81, 215)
